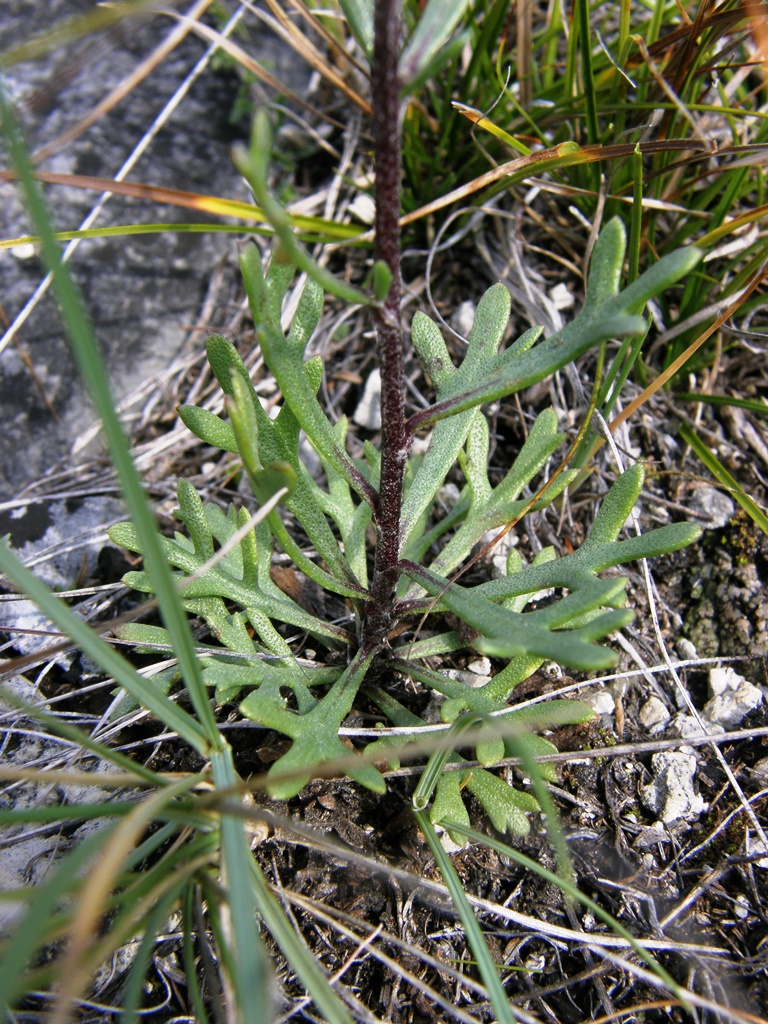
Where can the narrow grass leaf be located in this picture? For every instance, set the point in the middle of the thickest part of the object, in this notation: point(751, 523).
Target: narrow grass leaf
point(303, 963)
point(720, 473)
point(92, 369)
point(434, 769)
point(359, 15)
point(134, 986)
point(317, 227)
point(251, 975)
point(41, 915)
point(755, 405)
point(113, 663)
point(437, 21)
point(571, 890)
point(485, 964)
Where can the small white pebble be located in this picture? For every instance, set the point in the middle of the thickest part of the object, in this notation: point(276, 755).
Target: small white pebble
point(368, 411)
point(24, 252)
point(756, 846)
point(741, 907)
point(653, 714)
point(729, 708)
point(601, 702)
point(672, 795)
point(723, 678)
point(562, 297)
point(714, 505)
point(363, 208)
point(686, 650)
point(551, 670)
point(464, 317)
point(480, 666)
point(448, 844)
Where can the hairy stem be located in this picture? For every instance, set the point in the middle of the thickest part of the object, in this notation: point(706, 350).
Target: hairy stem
point(394, 439)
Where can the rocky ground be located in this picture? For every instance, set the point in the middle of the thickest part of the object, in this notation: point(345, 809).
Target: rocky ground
point(658, 833)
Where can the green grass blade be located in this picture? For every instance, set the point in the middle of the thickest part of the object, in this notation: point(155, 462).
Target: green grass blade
point(588, 80)
point(359, 15)
point(636, 220)
point(755, 405)
point(134, 988)
point(437, 21)
point(252, 164)
point(192, 919)
point(718, 470)
point(311, 235)
point(113, 663)
point(485, 965)
point(91, 366)
point(40, 916)
point(434, 769)
point(571, 890)
point(250, 975)
point(311, 975)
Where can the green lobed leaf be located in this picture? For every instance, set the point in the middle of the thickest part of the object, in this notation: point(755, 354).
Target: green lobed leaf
point(209, 428)
point(315, 733)
point(608, 316)
point(448, 436)
point(267, 442)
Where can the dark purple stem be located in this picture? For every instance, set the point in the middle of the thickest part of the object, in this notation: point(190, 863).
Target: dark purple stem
point(395, 441)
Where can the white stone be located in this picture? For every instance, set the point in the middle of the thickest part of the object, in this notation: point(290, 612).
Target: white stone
point(723, 678)
point(562, 297)
point(480, 666)
point(686, 650)
point(714, 505)
point(24, 252)
point(671, 795)
point(728, 709)
point(464, 317)
point(432, 712)
point(753, 846)
point(499, 553)
point(551, 670)
point(363, 208)
point(368, 411)
point(684, 725)
point(654, 714)
point(741, 907)
point(446, 842)
point(468, 678)
point(602, 702)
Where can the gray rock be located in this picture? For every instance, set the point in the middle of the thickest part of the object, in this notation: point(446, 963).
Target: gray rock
point(672, 795)
point(654, 714)
point(141, 292)
point(601, 701)
point(733, 698)
point(713, 505)
point(60, 540)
